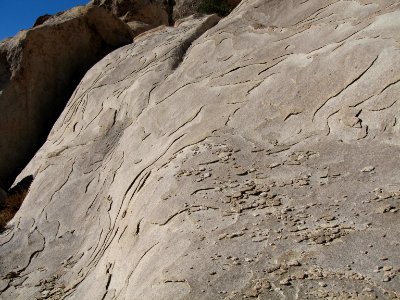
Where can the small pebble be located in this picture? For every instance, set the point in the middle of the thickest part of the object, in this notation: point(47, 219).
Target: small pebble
point(285, 281)
point(387, 268)
point(368, 169)
point(322, 284)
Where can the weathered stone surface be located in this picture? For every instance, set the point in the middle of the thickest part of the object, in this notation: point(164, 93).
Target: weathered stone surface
point(39, 70)
point(224, 166)
point(43, 18)
point(138, 27)
point(184, 8)
point(151, 12)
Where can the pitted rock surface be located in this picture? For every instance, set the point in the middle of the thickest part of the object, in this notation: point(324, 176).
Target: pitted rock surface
point(253, 158)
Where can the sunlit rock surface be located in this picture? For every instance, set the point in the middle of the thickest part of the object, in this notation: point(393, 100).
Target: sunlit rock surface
point(255, 158)
point(39, 70)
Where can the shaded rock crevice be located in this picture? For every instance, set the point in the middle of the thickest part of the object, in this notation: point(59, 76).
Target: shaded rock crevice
point(180, 52)
point(170, 11)
point(11, 201)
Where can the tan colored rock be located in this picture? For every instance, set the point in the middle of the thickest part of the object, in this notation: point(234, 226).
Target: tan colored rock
point(138, 27)
point(39, 69)
point(110, 214)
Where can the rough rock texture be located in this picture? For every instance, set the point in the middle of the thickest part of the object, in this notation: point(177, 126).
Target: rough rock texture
point(150, 12)
point(260, 161)
point(39, 70)
point(138, 27)
point(184, 8)
point(44, 18)
point(141, 15)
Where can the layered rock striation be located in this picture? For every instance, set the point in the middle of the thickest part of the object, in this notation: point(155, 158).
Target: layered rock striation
point(39, 70)
point(256, 157)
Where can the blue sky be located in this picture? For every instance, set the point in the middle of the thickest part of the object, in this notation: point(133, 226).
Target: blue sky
point(16, 15)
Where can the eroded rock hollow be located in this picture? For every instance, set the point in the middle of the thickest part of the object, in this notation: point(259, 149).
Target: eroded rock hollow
point(250, 157)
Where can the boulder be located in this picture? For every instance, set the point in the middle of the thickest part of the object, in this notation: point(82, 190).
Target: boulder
point(39, 69)
point(254, 157)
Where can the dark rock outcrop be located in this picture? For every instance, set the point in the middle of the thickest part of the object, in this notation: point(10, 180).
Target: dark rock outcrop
point(184, 8)
point(21, 187)
point(151, 12)
point(39, 69)
point(42, 19)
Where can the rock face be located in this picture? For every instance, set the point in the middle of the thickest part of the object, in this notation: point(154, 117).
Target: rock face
point(142, 15)
point(184, 8)
point(259, 159)
point(39, 70)
point(150, 12)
